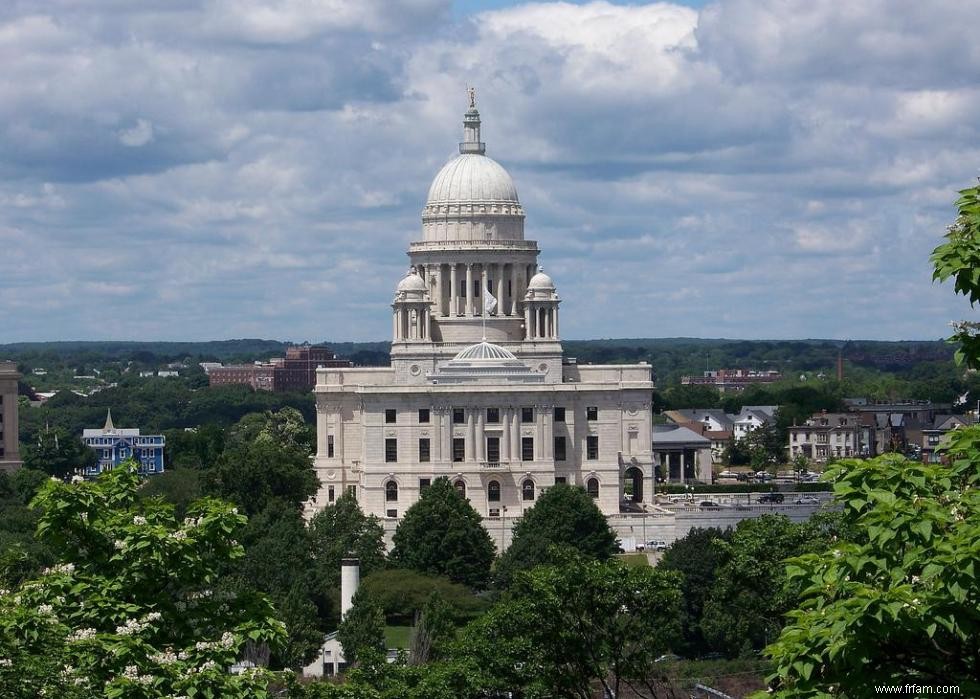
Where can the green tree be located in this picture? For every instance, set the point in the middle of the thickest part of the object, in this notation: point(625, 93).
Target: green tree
point(179, 486)
point(567, 626)
point(959, 259)
point(681, 396)
point(252, 473)
point(697, 558)
point(745, 607)
point(336, 532)
point(899, 603)
point(442, 534)
point(362, 631)
point(564, 517)
point(403, 594)
point(58, 453)
point(130, 610)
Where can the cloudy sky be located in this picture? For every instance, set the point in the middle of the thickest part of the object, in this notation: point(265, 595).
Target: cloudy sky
point(198, 169)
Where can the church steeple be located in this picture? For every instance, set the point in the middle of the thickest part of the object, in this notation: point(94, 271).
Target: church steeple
point(471, 129)
point(109, 427)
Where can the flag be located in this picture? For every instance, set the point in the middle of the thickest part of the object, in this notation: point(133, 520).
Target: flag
point(489, 303)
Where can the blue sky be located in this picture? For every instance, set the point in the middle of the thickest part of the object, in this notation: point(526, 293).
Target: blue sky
point(198, 169)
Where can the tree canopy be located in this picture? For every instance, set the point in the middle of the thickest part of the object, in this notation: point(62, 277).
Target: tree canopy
point(564, 517)
point(442, 534)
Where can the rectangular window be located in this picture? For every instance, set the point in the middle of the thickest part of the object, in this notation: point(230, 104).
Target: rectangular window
point(493, 449)
point(527, 414)
point(424, 483)
point(592, 447)
point(560, 449)
point(494, 512)
point(510, 289)
point(390, 416)
point(423, 449)
point(391, 450)
point(476, 288)
point(493, 415)
point(527, 448)
point(330, 446)
point(330, 494)
point(391, 514)
point(459, 416)
point(462, 288)
point(559, 414)
point(459, 449)
point(592, 413)
point(423, 416)
point(490, 285)
point(560, 479)
point(352, 491)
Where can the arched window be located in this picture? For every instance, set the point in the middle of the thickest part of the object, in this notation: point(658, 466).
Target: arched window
point(460, 488)
point(527, 489)
point(391, 491)
point(592, 486)
point(493, 491)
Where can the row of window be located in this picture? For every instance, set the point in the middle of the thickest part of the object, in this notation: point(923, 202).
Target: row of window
point(493, 449)
point(492, 415)
point(493, 488)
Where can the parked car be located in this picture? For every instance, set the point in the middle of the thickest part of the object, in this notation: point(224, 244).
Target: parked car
point(806, 500)
point(668, 658)
point(657, 545)
point(728, 474)
point(710, 504)
point(772, 498)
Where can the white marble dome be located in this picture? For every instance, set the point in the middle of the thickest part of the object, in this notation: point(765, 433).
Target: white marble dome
point(541, 281)
point(411, 282)
point(484, 351)
point(472, 178)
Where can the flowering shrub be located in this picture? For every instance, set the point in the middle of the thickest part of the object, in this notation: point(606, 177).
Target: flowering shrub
point(129, 609)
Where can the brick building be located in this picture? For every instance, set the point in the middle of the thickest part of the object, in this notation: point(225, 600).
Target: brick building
point(294, 372)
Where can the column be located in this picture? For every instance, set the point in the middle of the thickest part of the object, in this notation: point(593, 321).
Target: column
point(548, 432)
point(682, 466)
point(483, 289)
point(438, 289)
point(321, 431)
point(515, 435)
point(338, 434)
point(506, 414)
point(469, 288)
point(527, 322)
point(394, 324)
point(481, 435)
point(470, 434)
point(500, 289)
point(453, 288)
point(447, 434)
point(556, 321)
point(539, 433)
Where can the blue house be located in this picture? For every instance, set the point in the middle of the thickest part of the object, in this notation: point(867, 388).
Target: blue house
point(115, 445)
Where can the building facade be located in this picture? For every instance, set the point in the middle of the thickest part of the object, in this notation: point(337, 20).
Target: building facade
point(294, 372)
point(114, 445)
point(9, 422)
point(932, 436)
point(829, 435)
point(478, 389)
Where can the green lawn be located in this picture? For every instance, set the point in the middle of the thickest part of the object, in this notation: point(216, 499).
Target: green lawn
point(633, 559)
point(397, 636)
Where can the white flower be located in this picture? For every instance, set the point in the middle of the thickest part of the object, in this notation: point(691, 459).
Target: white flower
point(119, 544)
point(6, 662)
point(178, 535)
point(77, 479)
point(82, 635)
point(208, 665)
point(139, 519)
point(153, 616)
point(234, 510)
point(131, 672)
point(227, 639)
point(166, 657)
point(45, 609)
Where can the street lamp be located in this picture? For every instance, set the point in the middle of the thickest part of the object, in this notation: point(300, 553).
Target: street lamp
point(503, 515)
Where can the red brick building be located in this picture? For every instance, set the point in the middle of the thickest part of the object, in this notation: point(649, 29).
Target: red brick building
point(294, 372)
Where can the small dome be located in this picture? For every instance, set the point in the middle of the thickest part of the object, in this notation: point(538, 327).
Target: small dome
point(411, 282)
point(483, 351)
point(472, 178)
point(541, 281)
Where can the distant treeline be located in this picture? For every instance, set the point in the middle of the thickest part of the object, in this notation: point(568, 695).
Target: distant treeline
point(670, 358)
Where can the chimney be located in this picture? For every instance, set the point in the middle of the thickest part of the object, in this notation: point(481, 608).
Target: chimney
point(350, 578)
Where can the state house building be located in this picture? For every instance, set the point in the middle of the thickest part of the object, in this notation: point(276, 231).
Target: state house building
point(478, 389)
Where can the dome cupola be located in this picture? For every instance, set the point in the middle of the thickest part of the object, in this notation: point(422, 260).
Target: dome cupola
point(472, 198)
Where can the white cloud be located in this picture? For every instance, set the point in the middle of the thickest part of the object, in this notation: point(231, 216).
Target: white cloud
point(733, 171)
